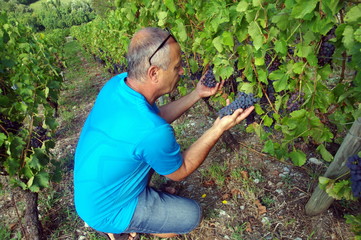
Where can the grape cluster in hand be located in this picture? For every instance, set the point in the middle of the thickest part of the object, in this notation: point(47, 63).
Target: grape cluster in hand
point(209, 80)
point(243, 100)
point(354, 164)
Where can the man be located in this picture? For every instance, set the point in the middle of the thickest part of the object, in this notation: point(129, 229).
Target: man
point(126, 137)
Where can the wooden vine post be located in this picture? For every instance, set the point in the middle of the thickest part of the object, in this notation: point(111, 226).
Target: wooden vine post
point(320, 200)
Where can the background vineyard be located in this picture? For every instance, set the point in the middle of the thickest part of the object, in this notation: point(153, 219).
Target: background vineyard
point(302, 60)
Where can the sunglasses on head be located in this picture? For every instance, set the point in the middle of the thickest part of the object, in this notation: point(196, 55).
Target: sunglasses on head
point(161, 45)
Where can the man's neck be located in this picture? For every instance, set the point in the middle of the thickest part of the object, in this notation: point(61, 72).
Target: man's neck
point(143, 88)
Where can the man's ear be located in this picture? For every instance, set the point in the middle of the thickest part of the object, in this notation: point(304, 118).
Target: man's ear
point(153, 73)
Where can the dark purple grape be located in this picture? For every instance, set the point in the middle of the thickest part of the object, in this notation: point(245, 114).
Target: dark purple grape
point(209, 79)
point(325, 53)
point(8, 125)
point(274, 65)
point(354, 164)
point(294, 102)
point(243, 100)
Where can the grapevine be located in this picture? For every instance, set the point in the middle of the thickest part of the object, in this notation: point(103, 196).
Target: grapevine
point(283, 56)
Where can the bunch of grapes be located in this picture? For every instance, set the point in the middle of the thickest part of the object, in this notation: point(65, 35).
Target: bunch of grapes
point(291, 50)
point(243, 100)
point(209, 79)
point(196, 76)
point(325, 53)
point(354, 164)
point(9, 125)
point(294, 102)
point(274, 65)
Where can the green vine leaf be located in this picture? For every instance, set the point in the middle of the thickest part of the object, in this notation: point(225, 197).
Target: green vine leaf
point(2, 138)
point(170, 5)
point(217, 42)
point(326, 155)
point(256, 35)
point(354, 14)
point(242, 6)
point(181, 31)
point(340, 190)
point(323, 181)
point(227, 39)
point(302, 8)
point(280, 80)
point(281, 46)
point(348, 39)
point(162, 16)
point(298, 157)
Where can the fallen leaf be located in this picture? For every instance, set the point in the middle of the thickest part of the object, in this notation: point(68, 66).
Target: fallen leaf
point(224, 201)
point(261, 209)
point(204, 195)
point(248, 227)
point(208, 183)
point(245, 175)
point(225, 196)
point(12, 226)
point(236, 192)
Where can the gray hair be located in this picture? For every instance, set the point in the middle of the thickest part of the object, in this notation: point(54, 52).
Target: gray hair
point(142, 46)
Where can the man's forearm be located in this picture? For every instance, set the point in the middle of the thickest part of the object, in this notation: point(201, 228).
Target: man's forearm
point(175, 109)
point(195, 155)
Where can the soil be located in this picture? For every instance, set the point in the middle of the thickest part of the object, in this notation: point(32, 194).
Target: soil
point(245, 194)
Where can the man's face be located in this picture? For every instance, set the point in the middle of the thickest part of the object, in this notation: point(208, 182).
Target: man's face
point(171, 76)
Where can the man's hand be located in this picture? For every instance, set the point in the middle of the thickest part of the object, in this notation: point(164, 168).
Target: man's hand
point(204, 91)
point(230, 121)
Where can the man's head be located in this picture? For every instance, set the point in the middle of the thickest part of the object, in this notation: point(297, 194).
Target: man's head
point(142, 47)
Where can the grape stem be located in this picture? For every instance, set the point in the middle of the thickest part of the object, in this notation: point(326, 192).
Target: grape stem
point(2, 128)
point(342, 176)
point(293, 32)
point(264, 92)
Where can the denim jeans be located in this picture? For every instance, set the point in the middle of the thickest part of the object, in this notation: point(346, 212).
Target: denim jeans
point(159, 212)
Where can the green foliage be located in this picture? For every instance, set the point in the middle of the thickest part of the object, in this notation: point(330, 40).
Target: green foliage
point(236, 37)
point(337, 189)
point(103, 7)
point(49, 14)
point(355, 222)
point(5, 233)
point(56, 14)
point(29, 80)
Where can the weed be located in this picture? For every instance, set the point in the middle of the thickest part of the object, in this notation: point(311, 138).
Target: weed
point(256, 174)
point(267, 201)
point(287, 179)
point(238, 231)
point(217, 172)
point(5, 233)
point(236, 174)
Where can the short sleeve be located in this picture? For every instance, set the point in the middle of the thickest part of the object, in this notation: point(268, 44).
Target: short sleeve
point(161, 150)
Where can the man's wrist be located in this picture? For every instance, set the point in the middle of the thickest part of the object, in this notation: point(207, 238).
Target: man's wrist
point(197, 95)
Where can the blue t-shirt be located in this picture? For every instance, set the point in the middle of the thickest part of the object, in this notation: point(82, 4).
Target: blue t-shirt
point(121, 140)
